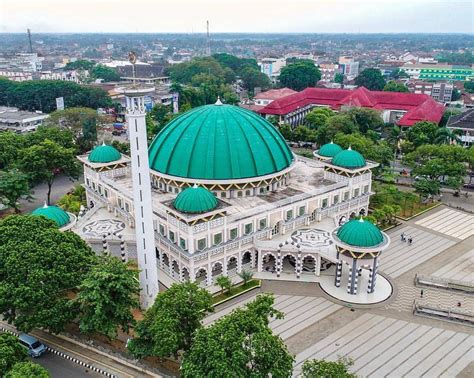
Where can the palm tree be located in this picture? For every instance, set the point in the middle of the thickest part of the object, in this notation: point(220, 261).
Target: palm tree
point(246, 276)
point(446, 136)
point(394, 138)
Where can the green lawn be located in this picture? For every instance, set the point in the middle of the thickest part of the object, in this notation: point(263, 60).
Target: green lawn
point(235, 291)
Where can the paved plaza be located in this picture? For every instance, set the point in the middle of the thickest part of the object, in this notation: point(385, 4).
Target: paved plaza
point(386, 347)
point(450, 222)
point(388, 340)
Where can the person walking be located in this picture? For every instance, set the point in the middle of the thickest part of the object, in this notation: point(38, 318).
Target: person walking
point(403, 237)
point(410, 240)
point(421, 293)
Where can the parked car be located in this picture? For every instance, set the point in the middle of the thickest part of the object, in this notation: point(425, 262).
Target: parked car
point(35, 347)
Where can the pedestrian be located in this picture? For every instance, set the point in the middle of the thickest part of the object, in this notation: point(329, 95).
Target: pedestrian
point(402, 236)
point(459, 304)
point(421, 293)
point(410, 240)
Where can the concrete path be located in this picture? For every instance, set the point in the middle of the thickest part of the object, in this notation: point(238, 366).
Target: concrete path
point(460, 269)
point(386, 347)
point(449, 222)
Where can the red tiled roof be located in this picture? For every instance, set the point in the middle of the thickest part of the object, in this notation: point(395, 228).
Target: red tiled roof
point(274, 94)
point(419, 107)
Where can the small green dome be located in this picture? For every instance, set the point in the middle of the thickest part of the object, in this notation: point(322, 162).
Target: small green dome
point(104, 154)
point(329, 150)
point(360, 233)
point(195, 200)
point(53, 213)
point(219, 142)
point(349, 158)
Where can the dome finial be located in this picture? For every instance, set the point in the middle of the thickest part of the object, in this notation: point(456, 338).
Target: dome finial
point(361, 220)
point(349, 148)
point(195, 185)
point(218, 102)
point(45, 205)
point(103, 143)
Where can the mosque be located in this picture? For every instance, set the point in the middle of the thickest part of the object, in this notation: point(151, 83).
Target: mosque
point(226, 194)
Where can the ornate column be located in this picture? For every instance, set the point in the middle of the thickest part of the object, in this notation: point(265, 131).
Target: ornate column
point(259, 261)
point(278, 263)
point(337, 281)
point(372, 276)
point(351, 282)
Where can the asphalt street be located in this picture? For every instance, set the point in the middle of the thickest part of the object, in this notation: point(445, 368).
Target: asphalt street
point(59, 367)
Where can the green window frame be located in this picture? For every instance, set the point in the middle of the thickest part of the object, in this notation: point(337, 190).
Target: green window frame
point(335, 199)
point(234, 232)
point(162, 229)
point(356, 192)
point(289, 214)
point(262, 223)
point(172, 236)
point(324, 203)
point(201, 244)
point(182, 243)
point(248, 228)
point(218, 238)
point(301, 210)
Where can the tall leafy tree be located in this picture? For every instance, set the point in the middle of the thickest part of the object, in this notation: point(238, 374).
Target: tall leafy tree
point(27, 369)
point(366, 119)
point(44, 161)
point(105, 73)
point(339, 78)
point(393, 86)
point(13, 185)
point(322, 368)
point(107, 296)
point(423, 132)
point(370, 78)
point(10, 146)
point(300, 75)
point(39, 267)
point(11, 352)
point(253, 78)
point(240, 344)
point(317, 117)
point(170, 324)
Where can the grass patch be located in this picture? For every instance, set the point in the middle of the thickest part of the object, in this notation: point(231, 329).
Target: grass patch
point(235, 291)
point(305, 152)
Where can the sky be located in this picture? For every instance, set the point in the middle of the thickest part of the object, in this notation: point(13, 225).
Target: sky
point(247, 16)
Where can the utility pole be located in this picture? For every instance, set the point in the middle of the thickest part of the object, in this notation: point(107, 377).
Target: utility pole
point(29, 40)
point(208, 40)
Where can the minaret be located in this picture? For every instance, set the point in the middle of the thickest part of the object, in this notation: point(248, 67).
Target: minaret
point(142, 201)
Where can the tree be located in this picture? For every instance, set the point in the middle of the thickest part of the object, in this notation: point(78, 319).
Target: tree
point(397, 73)
point(27, 369)
point(332, 369)
point(423, 132)
point(108, 294)
point(80, 64)
point(456, 95)
point(246, 276)
point(339, 78)
point(379, 152)
point(449, 112)
point(393, 86)
point(184, 72)
point(300, 75)
point(13, 185)
point(370, 78)
point(340, 123)
point(286, 131)
point(159, 112)
point(366, 119)
point(41, 95)
point(11, 352)
point(10, 145)
point(74, 119)
point(224, 282)
point(469, 86)
point(169, 325)
point(40, 266)
point(43, 162)
point(71, 202)
point(240, 344)
point(447, 136)
point(105, 73)
point(63, 137)
point(317, 117)
point(426, 188)
point(252, 78)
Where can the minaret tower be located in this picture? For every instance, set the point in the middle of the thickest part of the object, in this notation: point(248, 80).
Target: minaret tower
point(142, 201)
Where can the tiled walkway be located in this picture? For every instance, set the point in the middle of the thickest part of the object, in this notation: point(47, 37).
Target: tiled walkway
point(450, 222)
point(400, 257)
point(386, 347)
point(460, 269)
point(300, 312)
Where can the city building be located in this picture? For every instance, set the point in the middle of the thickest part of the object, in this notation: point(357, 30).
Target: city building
point(272, 67)
point(348, 66)
point(441, 92)
point(329, 71)
point(262, 99)
point(227, 195)
point(20, 121)
point(403, 109)
point(464, 123)
point(29, 62)
point(75, 76)
point(438, 72)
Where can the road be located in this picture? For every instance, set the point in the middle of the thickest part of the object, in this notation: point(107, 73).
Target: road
point(59, 367)
point(61, 186)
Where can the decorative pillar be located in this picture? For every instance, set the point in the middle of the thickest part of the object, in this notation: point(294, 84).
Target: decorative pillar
point(122, 248)
point(373, 276)
point(337, 282)
point(351, 282)
point(317, 266)
point(259, 261)
point(224, 267)
point(278, 263)
point(239, 263)
point(209, 275)
point(104, 245)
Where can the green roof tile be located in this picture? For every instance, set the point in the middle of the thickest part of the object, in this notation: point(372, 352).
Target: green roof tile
point(219, 142)
point(195, 200)
point(360, 233)
point(53, 213)
point(349, 159)
point(104, 154)
point(329, 150)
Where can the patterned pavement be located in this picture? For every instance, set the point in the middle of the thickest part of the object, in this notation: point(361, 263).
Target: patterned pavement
point(300, 313)
point(450, 222)
point(460, 269)
point(386, 347)
point(400, 257)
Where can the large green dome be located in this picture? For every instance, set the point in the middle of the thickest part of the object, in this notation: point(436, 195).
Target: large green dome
point(349, 159)
point(219, 142)
point(53, 213)
point(104, 154)
point(329, 150)
point(195, 200)
point(360, 233)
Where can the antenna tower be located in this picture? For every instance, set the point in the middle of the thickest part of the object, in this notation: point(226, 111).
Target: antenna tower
point(208, 40)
